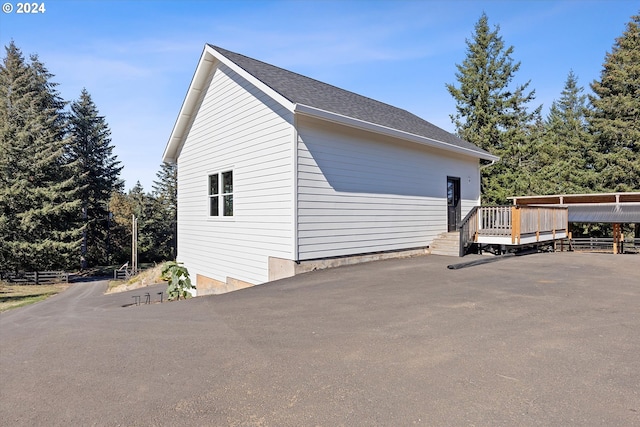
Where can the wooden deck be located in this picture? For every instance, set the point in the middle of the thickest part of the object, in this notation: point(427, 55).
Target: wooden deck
point(513, 225)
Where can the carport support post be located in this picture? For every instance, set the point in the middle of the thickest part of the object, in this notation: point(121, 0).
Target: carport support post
point(617, 233)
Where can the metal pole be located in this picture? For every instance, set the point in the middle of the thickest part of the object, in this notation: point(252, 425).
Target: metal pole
point(136, 251)
point(136, 240)
point(134, 244)
point(83, 250)
point(133, 241)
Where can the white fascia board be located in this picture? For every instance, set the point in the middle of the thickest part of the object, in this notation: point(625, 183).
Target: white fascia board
point(208, 60)
point(188, 109)
point(384, 130)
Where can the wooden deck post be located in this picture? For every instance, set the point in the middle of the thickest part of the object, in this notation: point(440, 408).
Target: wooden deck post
point(515, 225)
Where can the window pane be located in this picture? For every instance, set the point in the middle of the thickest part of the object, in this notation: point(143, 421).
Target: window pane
point(227, 182)
point(213, 209)
point(213, 184)
point(228, 205)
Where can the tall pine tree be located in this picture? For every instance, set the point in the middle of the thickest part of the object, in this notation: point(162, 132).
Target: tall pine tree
point(165, 212)
point(39, 201)
point(615, 121)
point(493, 115)
point(565, 153)
point(98, 170)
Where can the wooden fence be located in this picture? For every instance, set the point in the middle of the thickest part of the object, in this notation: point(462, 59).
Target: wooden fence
point(121, 274)
point(600, 244)
point(36, 277)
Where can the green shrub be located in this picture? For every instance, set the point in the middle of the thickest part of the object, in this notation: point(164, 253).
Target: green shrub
point(179, 282)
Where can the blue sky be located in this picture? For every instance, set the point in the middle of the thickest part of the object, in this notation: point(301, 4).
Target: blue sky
point(137, 58)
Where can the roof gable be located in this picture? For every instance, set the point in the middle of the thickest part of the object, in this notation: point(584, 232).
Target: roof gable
point(305, 95)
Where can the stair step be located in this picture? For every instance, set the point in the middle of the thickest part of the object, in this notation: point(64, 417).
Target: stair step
point(445, 253)
point(447, 244)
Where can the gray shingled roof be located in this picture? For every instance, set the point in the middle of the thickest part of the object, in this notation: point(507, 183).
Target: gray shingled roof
point(306, 91)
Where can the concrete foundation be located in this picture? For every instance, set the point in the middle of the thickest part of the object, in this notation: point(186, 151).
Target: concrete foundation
point(280, 268)
point(208, 286)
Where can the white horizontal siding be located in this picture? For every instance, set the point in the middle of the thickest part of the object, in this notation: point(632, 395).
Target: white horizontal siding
point(360, 193)
point(239, 128)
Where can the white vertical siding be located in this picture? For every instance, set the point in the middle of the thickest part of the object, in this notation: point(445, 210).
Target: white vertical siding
point(239, 128)
point(360, 193)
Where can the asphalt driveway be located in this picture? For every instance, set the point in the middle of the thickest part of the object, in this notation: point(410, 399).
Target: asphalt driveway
point(547, 339)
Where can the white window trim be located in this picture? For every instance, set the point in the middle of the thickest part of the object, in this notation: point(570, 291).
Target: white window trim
point(220, 194)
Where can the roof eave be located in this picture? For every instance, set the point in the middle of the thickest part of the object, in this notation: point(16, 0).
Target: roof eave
point(188, 108)
point(384, 130)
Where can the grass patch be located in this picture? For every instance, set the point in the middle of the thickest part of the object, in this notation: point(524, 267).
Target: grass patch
point(148, 277)
point(14, 296)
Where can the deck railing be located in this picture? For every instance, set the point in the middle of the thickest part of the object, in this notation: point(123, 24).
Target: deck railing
point(515, 222)
point(495, 220)
point(535, 220)
point(468, 230)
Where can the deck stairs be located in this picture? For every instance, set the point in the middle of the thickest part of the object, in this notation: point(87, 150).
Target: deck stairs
point(447, 244)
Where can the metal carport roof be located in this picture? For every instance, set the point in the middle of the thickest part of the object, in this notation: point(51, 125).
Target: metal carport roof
point(622, 213)
point(616, 208)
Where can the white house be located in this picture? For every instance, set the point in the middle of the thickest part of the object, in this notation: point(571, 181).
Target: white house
point(279, 173)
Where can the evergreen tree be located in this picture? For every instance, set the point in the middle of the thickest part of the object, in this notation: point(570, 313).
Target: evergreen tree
point(493, 115)
point(564, 156)
point(122, 210)
point(98, 170)
point(38, 194)
point(164, 213)
point(138, 199)
point(615, 120)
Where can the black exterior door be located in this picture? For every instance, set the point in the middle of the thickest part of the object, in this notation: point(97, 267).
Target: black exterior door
point(454, 210)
